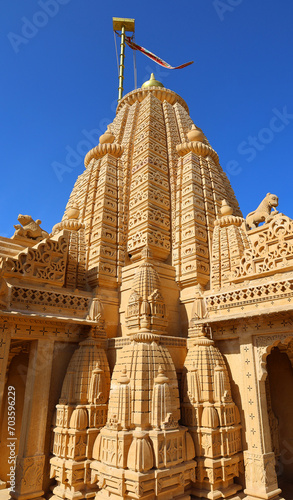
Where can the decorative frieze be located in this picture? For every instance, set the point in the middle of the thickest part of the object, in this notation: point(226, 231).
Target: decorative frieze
point(46, 261)
point(264, 294)
point(37, 299)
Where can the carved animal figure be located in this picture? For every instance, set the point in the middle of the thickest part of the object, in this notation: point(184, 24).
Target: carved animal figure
point(263, 211)
point(30, 228)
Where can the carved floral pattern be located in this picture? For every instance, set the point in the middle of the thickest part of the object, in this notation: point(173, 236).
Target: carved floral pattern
point(45, 261)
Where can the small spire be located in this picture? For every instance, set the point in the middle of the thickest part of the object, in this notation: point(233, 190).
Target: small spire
point(98, 369)
point(152, 82)
point(107, 137)
point(123, 378)
point(194, 134)
point(225, 209)
point(161, 378)
point(73, 212)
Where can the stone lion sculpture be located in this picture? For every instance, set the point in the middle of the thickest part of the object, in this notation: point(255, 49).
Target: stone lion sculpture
point(28, 228)
point(263, 211)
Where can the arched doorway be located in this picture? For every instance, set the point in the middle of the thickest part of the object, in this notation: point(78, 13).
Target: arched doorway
point(279, 388)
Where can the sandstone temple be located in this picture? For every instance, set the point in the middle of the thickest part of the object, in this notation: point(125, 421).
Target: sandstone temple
point(146, 342)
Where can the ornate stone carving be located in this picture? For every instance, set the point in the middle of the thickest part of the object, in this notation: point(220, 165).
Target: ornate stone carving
point(81, 412)
point(147, 438)
point(245, 296)
point(101, 150)
point(260, 472)
point(149, 184)
point(153, 183)
point(229, 244)
point(271, 250)
point(263, 211)
point(46, 261)
point(30, 472)
point(43, 300)
point(28, 228)
point(212, 418)
point(160, 93)
point(146, 307)
point(198, 148)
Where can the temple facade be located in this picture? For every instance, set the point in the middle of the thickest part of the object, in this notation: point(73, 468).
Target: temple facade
point(146, 343)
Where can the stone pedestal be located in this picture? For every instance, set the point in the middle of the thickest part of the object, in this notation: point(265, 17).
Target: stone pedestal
point(260, 474)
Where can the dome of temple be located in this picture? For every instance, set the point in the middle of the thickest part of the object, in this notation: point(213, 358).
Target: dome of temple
point(152, 82)
point(79, 419)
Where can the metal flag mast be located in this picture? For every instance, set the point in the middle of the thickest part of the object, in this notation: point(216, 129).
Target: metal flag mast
point(122, 25)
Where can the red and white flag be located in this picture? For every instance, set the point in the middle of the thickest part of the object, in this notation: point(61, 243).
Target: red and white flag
point(152, 56)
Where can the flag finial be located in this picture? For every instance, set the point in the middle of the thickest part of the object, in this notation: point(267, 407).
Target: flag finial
point(152, 82)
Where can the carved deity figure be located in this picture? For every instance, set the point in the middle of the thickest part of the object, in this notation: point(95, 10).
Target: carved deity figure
point(263, 211)
point(28, 228)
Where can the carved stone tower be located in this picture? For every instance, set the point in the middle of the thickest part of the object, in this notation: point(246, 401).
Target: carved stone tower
point(137, 332)
point(148, 198)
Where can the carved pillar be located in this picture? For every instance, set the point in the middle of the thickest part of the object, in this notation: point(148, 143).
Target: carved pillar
point(5, 338)
point(31, 458)
point(259, 459)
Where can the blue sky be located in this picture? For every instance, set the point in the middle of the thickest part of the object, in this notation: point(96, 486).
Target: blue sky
point(59, 90)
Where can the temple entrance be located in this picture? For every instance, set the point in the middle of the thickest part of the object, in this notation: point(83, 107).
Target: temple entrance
point(279, 388)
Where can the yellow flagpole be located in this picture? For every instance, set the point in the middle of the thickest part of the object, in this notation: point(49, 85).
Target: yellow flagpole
point(122, 25)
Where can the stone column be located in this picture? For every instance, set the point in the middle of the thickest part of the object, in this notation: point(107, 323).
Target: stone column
point(5, 338)
point(259, 460)
point(31, 458)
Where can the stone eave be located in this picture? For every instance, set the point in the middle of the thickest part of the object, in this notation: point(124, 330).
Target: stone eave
point(246, 315)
